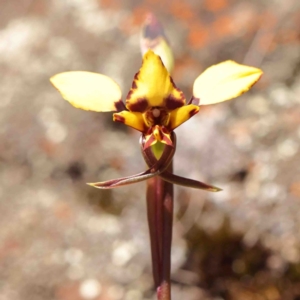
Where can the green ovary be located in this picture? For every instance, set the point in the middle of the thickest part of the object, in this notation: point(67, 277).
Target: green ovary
point(158, 149)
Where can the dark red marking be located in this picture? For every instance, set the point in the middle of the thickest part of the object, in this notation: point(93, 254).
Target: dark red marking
point(129, 95)
point(118, 118)
point(135, 79)
point(139, 105)
point(193, 112)
point(164, 129)
point(172, 102)
point(119, 105)
point(161, 135)
point(134, 85)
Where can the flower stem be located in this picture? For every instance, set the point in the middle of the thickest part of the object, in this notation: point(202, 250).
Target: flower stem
point(160, 220)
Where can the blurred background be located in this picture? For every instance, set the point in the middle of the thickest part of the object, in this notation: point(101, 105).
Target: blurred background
point(63, 240)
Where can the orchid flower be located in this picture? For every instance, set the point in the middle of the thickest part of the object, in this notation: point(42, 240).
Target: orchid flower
point(155, 107)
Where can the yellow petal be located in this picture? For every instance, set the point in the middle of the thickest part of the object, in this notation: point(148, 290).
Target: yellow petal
point(88, 91)
point(132, 119)
point(182, 114)
point(153, 86)
point(154, 38)
point(224, 81)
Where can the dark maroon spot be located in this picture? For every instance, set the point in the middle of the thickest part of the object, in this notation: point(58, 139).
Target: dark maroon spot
point(118, 118)
point(139, 105)
point(193, 112)
point(172, 102)
point(134, 85)
point(165, 130)
point(136, 76)
point(129, 95)
point(149, 131)
point(161, 135)
point(119, 105)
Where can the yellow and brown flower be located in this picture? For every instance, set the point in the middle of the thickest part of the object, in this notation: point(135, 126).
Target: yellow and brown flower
point(155, 105)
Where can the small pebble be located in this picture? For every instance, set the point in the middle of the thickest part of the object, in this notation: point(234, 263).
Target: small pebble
point(280, 96)
point(287, 148)
point(56, 132)
point(272, 191)
point(90, 289)
point(48, 115)
point(123, 253)
point(267, 172)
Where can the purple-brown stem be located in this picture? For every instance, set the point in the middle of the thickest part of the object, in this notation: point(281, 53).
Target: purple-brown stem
point(152, 207)
point(160, 220)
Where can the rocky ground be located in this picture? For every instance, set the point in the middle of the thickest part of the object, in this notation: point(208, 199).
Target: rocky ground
point(63, 240)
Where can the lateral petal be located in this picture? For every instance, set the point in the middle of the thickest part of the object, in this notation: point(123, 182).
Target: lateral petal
point(113, 183)
point(175, 179)
point(155, 169)
point(89, 91)
point(182, 114)
point(132, 119)
point(224, 81)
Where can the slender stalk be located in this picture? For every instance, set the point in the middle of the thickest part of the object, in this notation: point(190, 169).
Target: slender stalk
point(160, 220)
point(167, 237)
point(152, 207)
